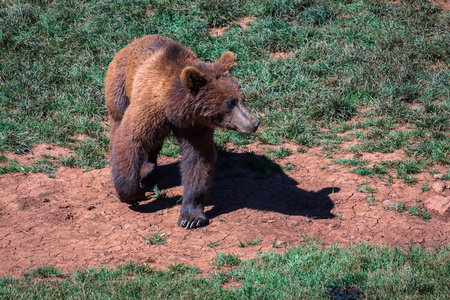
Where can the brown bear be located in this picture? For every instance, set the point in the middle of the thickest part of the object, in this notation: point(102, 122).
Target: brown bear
point(155, 86)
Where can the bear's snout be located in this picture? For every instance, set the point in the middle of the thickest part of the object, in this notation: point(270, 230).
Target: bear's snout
point(244, 121)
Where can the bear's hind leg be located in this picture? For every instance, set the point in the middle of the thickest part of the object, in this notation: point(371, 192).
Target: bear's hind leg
point(197, 165)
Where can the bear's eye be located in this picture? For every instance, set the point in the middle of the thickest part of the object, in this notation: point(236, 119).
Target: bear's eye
point(231, 103)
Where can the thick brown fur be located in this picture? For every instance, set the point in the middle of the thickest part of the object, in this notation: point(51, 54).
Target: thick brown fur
point(155, 86)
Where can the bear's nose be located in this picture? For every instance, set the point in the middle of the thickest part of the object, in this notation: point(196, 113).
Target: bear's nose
point(256, 123)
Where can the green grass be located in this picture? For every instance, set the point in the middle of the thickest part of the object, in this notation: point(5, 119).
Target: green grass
point(405, 169)
point(400, 207)
point(376, 71)
point(420, 212)
point(157, 194)
point(351, 162)
point(250, 243)
point(275, 154)
point(371, 200)
point(396, 206)
point(223, 259)
point(365, 187)
point(212, 244)
point(156, 238)
point(44, 166)
point(303, 272)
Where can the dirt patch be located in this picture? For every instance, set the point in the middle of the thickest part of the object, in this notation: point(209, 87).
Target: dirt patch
point(243, 22)
point(215, 32)
point(75, 221)
point(280, 54)
point(444, 4)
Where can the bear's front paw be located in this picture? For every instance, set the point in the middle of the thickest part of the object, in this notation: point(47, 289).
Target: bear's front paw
point(192, 221)
point(133, 200)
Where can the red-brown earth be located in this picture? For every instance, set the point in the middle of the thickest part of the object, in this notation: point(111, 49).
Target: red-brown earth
point(74, 220)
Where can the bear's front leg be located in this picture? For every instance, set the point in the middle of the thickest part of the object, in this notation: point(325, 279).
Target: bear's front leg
point(197, 165)
point(126, 163)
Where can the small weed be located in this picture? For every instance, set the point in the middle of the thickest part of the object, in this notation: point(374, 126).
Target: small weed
point(406, 169)
point(212, 244)
point(157, 194)
point(44, 166)
point(223, 220)
point(355, 149)
point(226, 260)
point(302, 150)
point(289, 167)
point(379, 170)
point(310, 240)
point(409, 179)
point(364, 187)
point(362, 171)
point(446, 176)
point(425, 187)
point(339, 216)
point(47, 156)
point(396, 206)
point(156, 238)
point(371, 200)
point(253, 242)
point(434, 172)
point(388, 179)
point(420, 212)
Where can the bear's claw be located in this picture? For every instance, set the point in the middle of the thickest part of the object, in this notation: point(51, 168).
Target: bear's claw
point(190, 223)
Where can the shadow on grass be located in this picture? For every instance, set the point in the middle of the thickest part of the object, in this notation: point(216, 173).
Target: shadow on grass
point(243, 180)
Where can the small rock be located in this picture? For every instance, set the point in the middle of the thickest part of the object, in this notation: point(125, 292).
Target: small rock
point(438, 187)
point(439, 203)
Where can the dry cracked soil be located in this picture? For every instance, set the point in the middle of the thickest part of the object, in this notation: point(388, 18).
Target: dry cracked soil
point(74, 220)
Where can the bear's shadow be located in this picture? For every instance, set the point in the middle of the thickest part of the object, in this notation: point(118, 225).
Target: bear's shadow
point(244, 180)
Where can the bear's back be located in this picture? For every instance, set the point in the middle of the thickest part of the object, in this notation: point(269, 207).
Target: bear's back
point(160, 57)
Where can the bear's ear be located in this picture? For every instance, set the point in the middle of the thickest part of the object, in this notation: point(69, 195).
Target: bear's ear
point(192, 79)
point(226, 61)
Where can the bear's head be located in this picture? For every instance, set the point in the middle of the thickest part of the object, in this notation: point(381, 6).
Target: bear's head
point(213, 97)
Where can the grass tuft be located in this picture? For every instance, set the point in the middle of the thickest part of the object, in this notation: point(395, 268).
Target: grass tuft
point(156, 238)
